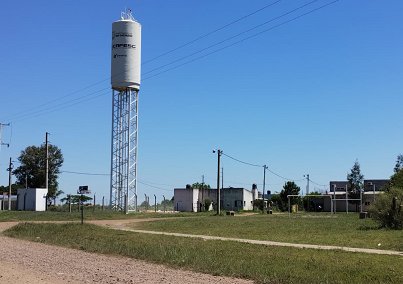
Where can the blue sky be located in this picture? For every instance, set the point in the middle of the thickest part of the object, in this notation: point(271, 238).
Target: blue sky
point(310, 96)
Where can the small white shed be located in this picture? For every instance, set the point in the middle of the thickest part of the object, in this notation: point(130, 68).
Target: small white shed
point(31, 199)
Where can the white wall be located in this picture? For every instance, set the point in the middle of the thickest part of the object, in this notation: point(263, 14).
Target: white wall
point(195, 199)
point(248, 199)
point(186, 200)
point(34, 198)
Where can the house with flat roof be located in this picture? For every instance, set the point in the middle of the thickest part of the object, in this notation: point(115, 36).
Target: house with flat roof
point(338, 193)
point(231, 198)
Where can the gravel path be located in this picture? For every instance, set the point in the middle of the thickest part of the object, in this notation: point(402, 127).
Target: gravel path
point(30, 262)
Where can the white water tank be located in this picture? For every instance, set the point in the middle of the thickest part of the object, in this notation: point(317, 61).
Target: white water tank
point(126, 54)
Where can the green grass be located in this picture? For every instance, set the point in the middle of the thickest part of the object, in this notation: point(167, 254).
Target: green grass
point(260, 263)
point(340, 230)
point(89, 214)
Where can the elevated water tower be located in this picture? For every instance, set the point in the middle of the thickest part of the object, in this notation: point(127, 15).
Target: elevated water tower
point(125, 79)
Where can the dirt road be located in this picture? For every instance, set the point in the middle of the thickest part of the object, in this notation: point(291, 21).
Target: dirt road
point(31, 262)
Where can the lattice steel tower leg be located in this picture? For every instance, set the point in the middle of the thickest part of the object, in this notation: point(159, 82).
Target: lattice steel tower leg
point(123, 194)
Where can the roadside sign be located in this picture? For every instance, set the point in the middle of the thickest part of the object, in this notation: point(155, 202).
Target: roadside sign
point(83, 189)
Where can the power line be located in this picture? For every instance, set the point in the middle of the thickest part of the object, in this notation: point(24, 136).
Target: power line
point(61, 107)
point(102, 174)
point(317, 183)
point(284, 178)
point(155, 183)
point(156, 187)
point(212, 32)
point(161, 55)
point(245, 183)
point(255, 165)
point(84, 173)
point(240, 41)
point(231, 37)
point(249, 164)
point(25, 115)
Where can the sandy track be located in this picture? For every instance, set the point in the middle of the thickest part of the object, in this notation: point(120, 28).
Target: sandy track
point(31, 262)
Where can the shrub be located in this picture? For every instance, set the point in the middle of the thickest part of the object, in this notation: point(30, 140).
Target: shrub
point(387, 209)
point(207, 203)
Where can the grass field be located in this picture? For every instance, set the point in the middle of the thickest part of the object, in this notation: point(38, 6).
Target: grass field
point(260, 263)
point(340, 229)
point(89, 214)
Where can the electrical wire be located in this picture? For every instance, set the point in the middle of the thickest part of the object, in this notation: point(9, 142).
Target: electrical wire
point(284, 178)
point(159, 56)
point(253, 165)
point(102, 174)
point(317, 183)
point(63, 105)
point(231, 37)
point(84, 173)
point(212, 32)
point(156, 187)
point(240, 41)
point(155, 183)
point(22, 117)
point(244, 183)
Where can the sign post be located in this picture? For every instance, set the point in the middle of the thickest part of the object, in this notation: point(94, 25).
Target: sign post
point(83, 189)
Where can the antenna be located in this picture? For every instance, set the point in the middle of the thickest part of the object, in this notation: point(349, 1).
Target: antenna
point(127, 15)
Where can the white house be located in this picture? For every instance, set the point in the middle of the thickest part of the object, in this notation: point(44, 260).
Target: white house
point(193, 200)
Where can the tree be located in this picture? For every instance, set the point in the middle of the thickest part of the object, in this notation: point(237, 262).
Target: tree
point(145, 204)
point(75, 198)
point(289, 188)
point(313, 203)
point(14, 188)
point(167, 203)
point(396, 181)
point(399, 163)
point(32, 169)
point(277, 202)
point(207, 203)
point(355, 182)
point(387, 208)
point(201, 185)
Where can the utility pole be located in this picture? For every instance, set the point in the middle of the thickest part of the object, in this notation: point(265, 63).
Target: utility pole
point(264, 186)
point(155, 203)
point(10, 167)
point(222, 177)
point(202, 189)
point(47, 162)
point(219, 153)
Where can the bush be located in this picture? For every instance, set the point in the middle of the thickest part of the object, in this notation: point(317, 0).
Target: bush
point(387, 209)
point(207, 203)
